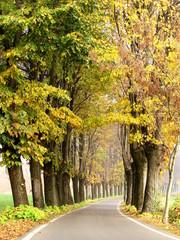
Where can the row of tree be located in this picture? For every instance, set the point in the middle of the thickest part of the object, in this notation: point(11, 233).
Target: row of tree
point(148, 71)
point(50, 82)
point(70, 68)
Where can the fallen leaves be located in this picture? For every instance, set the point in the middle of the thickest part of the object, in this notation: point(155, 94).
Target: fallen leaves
point(16, 228)
point(154, 220)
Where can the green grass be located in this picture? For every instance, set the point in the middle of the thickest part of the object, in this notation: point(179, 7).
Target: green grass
point(159, 202)
point(35, 214)
point(7, 200)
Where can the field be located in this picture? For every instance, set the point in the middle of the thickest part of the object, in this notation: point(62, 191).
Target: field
point(7, 200)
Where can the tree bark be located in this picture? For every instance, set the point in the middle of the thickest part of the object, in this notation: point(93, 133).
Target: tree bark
point(36, 182)
point(50, 186)
point(82, 167)
point(154, 158)
point(129, 184)
point(172, 160)
point(166, 209)
point(123, 135)
point(75, 180)
point(134, 185)
point(104, 188)
point(139, 175)
point(66, 189)
point(81, 189)
point(120, 186)
point(115, 190)
point(111, 190)
point(107, 189)
point(18, 185)
point(59, 178)
point(75, 177)
point(93, 191)
point(88, 194)
point(125, 188)
point(99, 190)
point(66, 177)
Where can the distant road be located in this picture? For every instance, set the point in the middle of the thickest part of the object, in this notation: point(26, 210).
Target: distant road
point(100, 221)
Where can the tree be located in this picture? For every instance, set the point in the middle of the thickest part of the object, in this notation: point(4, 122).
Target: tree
point(44, 61)
point(25, 122)
point(146, 33)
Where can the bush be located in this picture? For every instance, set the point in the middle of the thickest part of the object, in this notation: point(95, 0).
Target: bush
point(22, 212)
point(64, 208)
point(174, 212)
point(131, 209)
point(35, 214)
point(53, 210)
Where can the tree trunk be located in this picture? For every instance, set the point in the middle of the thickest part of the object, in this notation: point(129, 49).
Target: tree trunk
point(59, 178)
point(99, 190)
point(115, 190)
point(66, 177)
point(104, 188)
point(75, 177)
point(36, 182)
point(93, 191)
point(166, 209)
point(154, 158)
point(139, 167)
point(66, 189)
point(107, 190)
point(129, 182)
point(141, 176)
point(119, 189)
point(81, 189)
point(125, 188)
point(134, 185)
point(50, 186)
point(123, 135)
point(82, 167)
point(170, 183)
point(75, 180)
point(88, 191)
point(111, 190)
point(18, 185)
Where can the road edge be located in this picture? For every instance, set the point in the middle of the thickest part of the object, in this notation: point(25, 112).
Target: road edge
point(31, 233)
point(160, 232)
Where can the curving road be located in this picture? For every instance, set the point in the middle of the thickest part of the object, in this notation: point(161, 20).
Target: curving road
point(100, 221)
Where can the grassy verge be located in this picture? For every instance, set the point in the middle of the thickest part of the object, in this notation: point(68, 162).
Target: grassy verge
point(155, 218)
point(7, 200)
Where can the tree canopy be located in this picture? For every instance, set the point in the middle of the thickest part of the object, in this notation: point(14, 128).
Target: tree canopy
point(87, 87)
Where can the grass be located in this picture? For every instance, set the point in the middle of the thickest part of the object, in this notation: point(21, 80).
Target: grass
point(152, 219)
point(156, 217)
point(7, 200)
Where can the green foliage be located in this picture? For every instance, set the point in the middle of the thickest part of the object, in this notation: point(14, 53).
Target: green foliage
point(22, 212)
point(131, 209)
point(174, 212)
point(64, 208)
point(53, 210)
point(34, 37)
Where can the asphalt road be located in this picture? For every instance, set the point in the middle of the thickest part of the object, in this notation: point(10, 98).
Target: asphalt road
point(100, 221)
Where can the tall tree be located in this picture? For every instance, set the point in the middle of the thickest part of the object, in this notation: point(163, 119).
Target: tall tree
point(143, 52)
